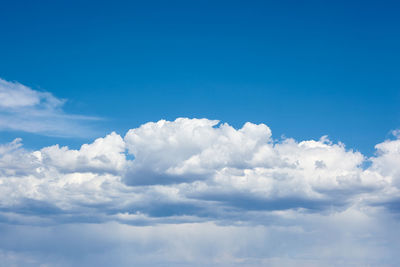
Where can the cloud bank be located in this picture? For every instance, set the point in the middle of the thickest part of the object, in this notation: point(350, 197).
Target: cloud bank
point(28, 110)
point(199, 192)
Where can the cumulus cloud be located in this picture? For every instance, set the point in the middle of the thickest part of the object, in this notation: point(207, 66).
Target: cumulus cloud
point(200, 168)
point(241, 186)
point(28, 110)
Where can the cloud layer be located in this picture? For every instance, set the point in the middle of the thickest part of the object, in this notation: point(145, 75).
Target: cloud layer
point(266, 201)
point(28, 110)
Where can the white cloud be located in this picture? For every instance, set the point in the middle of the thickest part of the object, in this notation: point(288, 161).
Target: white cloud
point(104, 154)
point(279, 201)
point(15, 95)
point(194, 166)
point(28, 110)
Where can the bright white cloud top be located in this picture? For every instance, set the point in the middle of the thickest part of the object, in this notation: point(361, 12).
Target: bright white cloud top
point(199, 191)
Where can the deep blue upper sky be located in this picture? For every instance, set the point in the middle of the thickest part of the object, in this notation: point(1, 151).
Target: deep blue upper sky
point(306, 69)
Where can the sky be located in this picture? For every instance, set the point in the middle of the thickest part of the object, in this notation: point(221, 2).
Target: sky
point(306, 69)
point(199, 133)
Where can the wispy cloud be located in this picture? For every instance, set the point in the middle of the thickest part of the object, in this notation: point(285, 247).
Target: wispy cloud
point(28, 110)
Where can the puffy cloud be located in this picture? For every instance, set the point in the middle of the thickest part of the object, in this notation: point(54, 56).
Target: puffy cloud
point(245, 166)
point(172, 178)
point(386, 165)
point(15, 161)
point(28, 110)
point(103, 155)
point(194, 169)
point(186, 148)
point(387, 160)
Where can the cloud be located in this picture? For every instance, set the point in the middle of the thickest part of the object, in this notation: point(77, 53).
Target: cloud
point(15, 95)
point(200, 168)
point(348, 238)
point(28, 110)
point(103, 155)
point(263, 201)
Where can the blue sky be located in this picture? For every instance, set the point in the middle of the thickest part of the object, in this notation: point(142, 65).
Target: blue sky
point(305, 69)
point(199, 133)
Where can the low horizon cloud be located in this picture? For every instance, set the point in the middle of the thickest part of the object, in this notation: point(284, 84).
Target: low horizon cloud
point(195, 192)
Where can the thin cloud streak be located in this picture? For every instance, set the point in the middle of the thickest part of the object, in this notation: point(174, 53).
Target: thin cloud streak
point(27, 110)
